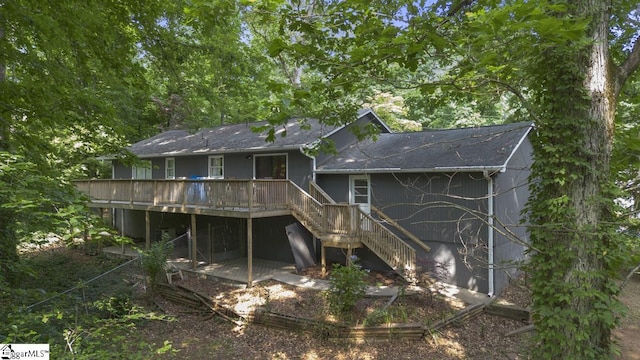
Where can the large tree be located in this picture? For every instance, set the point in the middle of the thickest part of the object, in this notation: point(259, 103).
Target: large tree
point(566, 62)
point(202, 66)
point(71, 90)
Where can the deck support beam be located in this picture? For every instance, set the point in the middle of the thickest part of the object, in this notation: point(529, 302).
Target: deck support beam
point(249, 252)
point(194, 243)
point(323, 258)
point(122, 227)
point(147, 222)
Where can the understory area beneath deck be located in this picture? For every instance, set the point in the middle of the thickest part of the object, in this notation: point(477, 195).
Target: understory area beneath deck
point(233, 269)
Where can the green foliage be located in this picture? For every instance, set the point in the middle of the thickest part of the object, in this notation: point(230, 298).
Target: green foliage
point(572, 218)
point(96, 320)
point(347, 285)
point(389, 315)
point(154, 260)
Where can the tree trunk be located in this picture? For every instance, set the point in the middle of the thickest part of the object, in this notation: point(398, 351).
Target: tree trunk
point(573, 276)
point(8, 243)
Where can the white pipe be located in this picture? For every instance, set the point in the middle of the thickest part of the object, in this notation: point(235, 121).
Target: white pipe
point(313, 160)
point(490, 215)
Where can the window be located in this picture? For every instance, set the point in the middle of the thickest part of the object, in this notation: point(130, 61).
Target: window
point(170, 168)
point(271, 166)
point(142, 170)
point(216, 167)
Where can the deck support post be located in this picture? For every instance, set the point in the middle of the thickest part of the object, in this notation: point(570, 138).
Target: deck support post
point(249, 252)
point(194, 244)
point(122, 227)
point(323, 258)
point(147, 222)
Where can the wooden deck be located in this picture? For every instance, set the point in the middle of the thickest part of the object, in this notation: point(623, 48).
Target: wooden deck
point(225, 198)
point(337, 225)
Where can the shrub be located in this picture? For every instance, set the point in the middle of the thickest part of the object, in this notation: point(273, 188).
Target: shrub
point(347, 285)
point(155, 259)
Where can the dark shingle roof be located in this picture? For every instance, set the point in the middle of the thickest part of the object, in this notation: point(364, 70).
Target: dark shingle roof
point(229, 138)
point(472, 149)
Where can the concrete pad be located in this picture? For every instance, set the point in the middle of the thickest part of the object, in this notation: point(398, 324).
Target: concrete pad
point(302, 281)
point(466, 295)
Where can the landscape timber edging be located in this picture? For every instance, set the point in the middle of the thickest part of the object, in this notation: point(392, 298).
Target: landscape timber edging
point(324, 329)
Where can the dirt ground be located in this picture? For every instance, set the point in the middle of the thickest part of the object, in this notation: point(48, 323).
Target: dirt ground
point(199, 335)
point(628, 333)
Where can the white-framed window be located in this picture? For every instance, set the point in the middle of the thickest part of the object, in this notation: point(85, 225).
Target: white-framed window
point(142, 170)
point(170, 168)
point(216, 167)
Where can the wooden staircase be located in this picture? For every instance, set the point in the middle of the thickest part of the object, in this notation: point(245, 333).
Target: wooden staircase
point(347, 226)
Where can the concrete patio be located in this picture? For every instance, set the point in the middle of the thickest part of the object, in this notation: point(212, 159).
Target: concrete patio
point(236, 270)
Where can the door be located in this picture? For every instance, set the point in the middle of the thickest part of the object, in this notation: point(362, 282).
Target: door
point(360, 192)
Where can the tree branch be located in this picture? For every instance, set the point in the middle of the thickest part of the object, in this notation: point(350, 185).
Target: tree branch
point(629, 66)
point(455, 8)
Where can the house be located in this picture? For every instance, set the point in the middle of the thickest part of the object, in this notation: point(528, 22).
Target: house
point(447, 202)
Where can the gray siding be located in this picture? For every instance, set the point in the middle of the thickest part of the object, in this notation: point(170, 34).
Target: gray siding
point(337, 186)
point(236, 166)
point(446, 211)
point(218, 238)
point(512, 194)
point(300, 169)
point(270, 241)
point(189, 167)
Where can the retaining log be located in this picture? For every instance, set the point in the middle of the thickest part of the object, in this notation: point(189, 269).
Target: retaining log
point(509, 311)
point(325, 329)
point(463, 315)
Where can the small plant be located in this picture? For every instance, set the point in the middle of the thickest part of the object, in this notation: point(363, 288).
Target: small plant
point(347, 285)
point(154, 260)
point(377, 317)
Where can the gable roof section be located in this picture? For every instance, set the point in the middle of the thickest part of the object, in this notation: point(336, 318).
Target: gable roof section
point(230, 138)
point(470, 149)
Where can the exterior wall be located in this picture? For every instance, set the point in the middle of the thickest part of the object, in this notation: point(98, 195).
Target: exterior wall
point(221, 238)
point(446, 211)
point(236, 166)
point(218, 238)
point(270, 241)
point(135, 227)
point(512, 193)
point(300, 169)
point(121, 171)
point(188, 167)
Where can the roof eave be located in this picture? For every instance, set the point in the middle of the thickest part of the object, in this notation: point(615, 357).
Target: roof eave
point(490, 169)
point(515, 148)
point(220, 152)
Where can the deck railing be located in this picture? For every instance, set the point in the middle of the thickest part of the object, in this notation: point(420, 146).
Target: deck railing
point(317, 193)
point(399, 255)
point(345, 221)
point(306, 208)
point(223, 194)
